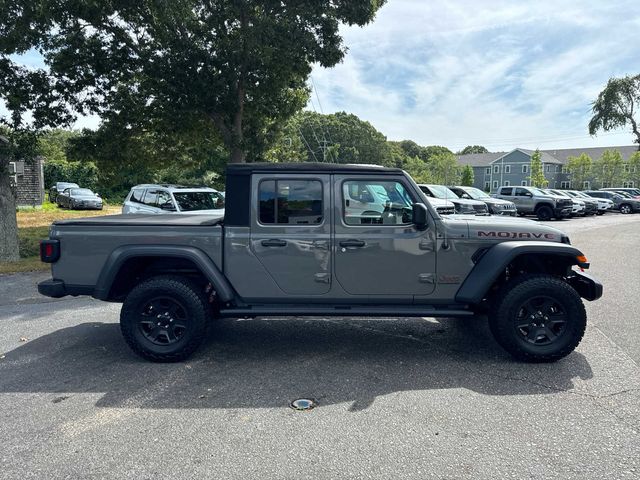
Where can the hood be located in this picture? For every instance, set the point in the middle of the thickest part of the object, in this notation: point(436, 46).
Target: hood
point(438, 202)
point(496, 201)
point(465, 201)
point(496, 228)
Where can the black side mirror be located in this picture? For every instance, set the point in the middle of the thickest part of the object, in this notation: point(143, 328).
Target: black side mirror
point(419, 216)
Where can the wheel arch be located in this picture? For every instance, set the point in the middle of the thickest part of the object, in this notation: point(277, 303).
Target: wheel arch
point(535, 257)
point(128, 261)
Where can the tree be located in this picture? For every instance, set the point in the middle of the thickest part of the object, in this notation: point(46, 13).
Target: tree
point(467, 176)
point(444, 169)
point(473, 149)
point(580, 169)
point(241, 66)
point(608, 170)
point(537, 177)
point(633, 165)
point(418, 170)
point(616, 106)
point(432, 151)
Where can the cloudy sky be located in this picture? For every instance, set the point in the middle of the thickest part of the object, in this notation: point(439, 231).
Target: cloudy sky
point(499, 73)
point(496, 73)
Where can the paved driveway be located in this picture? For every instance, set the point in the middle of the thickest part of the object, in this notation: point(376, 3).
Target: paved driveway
point(398, 398)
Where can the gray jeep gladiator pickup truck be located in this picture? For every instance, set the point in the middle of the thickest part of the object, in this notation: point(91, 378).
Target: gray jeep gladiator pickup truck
point(296, 240)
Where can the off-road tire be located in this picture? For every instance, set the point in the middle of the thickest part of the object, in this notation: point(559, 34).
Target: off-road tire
point(508, 304)
point(626, 208)
point(194, 305)
point(544, 212)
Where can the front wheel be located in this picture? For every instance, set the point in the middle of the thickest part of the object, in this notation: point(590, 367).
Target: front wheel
point(625, 208)
point(165, 318)
point(544, 213)
point(538, 318)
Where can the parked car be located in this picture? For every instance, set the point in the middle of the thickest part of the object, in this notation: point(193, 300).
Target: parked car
point(79, 199)
point(592, 205)
point(155, 198)
point(496, 206)
point(622, 203)
point(533, 201)
point(634, 192)
point(267, 259)
point(463, 206)
point(58, 188)
point(580, 207)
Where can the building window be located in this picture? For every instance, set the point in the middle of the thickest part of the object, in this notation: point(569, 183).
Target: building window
point(628, 184)
point(626, 168)
point(525, 168)
point(565, 185)
point(487, 186)
point(524, 183)
point(495, 184)
point(564, 169)
point(558, 168)
point(496, 169)
point(586, 185)
point(488, 171)
point(507, 183)
point(606, 184)
point(507, 169)
point(547, 168)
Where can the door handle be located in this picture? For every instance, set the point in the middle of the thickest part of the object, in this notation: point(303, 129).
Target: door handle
point(274, 242)
point(352, 243)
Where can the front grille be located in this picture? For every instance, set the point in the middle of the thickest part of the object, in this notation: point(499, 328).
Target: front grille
point(480, 208)
point(446, 210)
point(565, 203)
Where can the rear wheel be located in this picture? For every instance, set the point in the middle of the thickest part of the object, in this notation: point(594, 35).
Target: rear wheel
point(164, 319)
point(544, 212)
point(538, 318)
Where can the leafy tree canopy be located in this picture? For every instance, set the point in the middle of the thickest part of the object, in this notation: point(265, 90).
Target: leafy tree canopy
point(580, 169)
point(147, 65)
point(617, 106)
point(467, 177)
point(473, 149)
point(537, 177)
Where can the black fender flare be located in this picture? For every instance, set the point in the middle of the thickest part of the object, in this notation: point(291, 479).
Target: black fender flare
point(120, 255)
point(497, 258)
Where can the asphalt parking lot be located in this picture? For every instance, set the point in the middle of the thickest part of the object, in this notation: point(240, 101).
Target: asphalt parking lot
point(397, 398)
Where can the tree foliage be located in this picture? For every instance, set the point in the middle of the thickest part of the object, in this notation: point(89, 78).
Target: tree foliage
point(537, 177)
point(147, 65)
point(608, 169)
point(445, 169)
point(467, 177)
point(633, 165)
point(617, 106)
point(473, 149)
point(580, 170)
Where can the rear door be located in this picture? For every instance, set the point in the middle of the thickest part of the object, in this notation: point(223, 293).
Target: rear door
point(150, 202)
point(133, 203)
point(386, 254)
point(291, 231)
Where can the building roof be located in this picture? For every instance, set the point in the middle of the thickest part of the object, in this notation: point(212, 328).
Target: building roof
point(479, 159)
point(557, 156)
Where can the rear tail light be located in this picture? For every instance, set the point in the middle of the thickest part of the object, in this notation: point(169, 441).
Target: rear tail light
point(49, 250)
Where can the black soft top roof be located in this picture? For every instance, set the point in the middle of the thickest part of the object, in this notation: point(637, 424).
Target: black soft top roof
point(249, 168)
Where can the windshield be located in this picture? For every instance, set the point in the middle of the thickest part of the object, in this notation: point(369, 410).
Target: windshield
point(625, 194)
point(537, 191)
point(81, 191)
point(476, 193)
point(442, 192)
point(192, 201)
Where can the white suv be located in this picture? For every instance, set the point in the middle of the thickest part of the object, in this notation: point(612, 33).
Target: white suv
point(173, 199)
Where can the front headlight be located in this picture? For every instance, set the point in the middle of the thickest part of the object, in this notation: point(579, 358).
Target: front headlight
point(462, 208)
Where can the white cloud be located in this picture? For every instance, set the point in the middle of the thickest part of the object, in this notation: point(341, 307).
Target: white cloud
point(498, 73)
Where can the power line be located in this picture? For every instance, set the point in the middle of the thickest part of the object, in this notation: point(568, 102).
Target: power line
point(325, 135)
point(307, 144)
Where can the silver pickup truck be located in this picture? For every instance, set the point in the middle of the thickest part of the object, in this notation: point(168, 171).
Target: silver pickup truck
point(533, 201)
point(296, 241)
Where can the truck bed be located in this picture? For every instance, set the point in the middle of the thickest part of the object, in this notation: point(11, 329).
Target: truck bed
point(145, 220)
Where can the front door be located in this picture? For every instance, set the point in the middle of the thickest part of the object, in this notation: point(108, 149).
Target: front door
point(378, 250)
point(291, 231)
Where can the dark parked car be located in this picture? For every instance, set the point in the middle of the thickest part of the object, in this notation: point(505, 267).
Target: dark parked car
point(622, 203)
point(79, 199)
point(634, 192)
point(496, 206)
point(58, 188)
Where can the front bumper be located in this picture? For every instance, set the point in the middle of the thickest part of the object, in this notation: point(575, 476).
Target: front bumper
point(587, 287)
point(562, 211)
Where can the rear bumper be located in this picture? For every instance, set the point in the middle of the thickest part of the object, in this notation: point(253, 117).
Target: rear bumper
point(588, 287)
point(57, 288)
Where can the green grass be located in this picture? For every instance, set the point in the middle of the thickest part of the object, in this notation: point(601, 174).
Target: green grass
point(29, 264)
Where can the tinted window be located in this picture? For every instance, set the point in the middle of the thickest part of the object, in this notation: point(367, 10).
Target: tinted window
point(596, 194)
point(521, 192)
point(136, 195)
point(151, 198)
point(505, 191)
point(292, 202)
point(81, 191)
point(376, 202)
point(193, 201)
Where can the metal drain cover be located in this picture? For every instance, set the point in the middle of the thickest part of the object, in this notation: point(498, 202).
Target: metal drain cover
point(303, 404)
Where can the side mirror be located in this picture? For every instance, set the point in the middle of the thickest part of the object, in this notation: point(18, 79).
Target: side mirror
point(528, 194)
point(419, 216)
point(168, 207)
